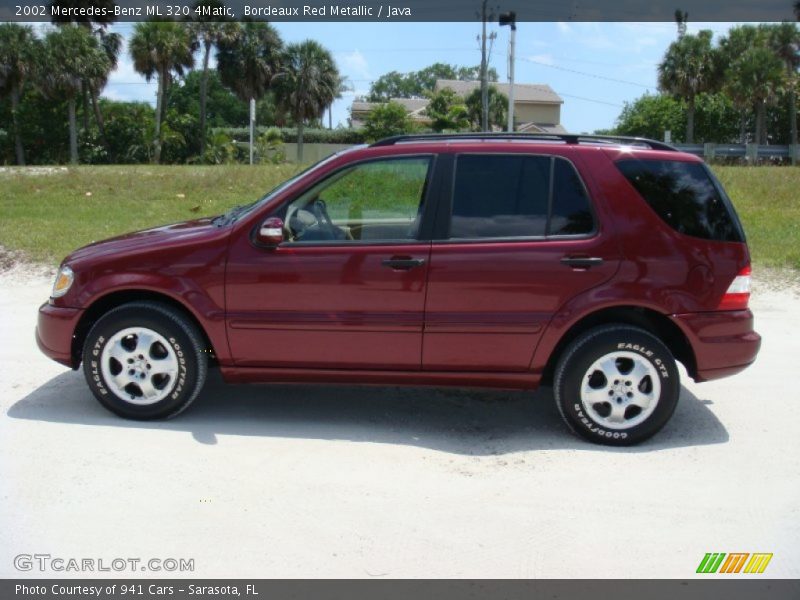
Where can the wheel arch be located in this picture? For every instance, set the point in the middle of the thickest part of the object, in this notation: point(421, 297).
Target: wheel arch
point(107, 302)
point(648, 319)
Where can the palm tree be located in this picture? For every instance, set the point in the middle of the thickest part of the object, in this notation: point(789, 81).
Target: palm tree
point(784, 39)
point(688, 69)
point(209, 34)
point(249, 61)
point(72, 55)
point(498, 108)
point(308, 84)
point(19, 53)
point(753, 73)
point(111, 43)
point(161, 48)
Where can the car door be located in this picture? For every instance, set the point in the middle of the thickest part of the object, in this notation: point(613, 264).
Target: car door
point(346, 288)
point(517, 237)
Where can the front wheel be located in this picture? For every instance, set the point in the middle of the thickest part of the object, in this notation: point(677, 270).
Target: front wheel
point(144, 360)
point(616, 385)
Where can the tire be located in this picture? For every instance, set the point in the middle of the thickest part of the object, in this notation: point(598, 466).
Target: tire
point(616, 385)
point(144, 360)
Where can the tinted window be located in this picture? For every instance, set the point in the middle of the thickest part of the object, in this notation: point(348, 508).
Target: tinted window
point(571, 211)
point(685, 197)
point(509, 196)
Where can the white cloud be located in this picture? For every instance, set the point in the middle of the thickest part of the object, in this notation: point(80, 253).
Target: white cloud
point(353, 64)
point(564, 27)
point(546, 59)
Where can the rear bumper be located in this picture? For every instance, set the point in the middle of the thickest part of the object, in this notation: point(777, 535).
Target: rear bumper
point(724, 342)
point(54, 330)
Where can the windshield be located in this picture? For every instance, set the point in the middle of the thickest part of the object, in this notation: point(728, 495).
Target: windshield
point(239, 211)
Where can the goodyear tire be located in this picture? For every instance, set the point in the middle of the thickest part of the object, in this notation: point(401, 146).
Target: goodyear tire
point(144, 360)
point(616, 385)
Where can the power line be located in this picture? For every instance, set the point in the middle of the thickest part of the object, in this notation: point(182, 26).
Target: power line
point(594, 75)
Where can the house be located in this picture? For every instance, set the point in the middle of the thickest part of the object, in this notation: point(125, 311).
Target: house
point(415, 107)
point(537, 108)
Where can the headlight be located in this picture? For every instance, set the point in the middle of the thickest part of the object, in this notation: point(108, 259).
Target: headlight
point(63, 282)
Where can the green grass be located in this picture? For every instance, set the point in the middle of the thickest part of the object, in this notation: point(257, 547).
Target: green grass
point(768, 202)
point(48, 215)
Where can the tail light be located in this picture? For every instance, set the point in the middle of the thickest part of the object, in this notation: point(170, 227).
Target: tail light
point(738, 295)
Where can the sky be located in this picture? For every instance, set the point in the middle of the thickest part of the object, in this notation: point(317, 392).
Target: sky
point(594, 67)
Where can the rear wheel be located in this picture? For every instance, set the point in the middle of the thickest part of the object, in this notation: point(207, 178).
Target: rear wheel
point(144, 360)
point(616, 385)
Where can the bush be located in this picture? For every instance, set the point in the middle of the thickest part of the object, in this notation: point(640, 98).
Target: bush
point(269, 147)
point(289, 135)
point(386, 120)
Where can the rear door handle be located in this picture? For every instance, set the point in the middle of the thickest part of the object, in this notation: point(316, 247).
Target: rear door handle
point(582, 262)
point(403, 263)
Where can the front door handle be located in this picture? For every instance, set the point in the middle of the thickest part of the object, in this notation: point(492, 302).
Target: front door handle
point(582, 262)
point(403, 263)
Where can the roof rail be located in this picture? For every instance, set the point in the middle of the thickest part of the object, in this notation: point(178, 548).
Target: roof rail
point(568, 138)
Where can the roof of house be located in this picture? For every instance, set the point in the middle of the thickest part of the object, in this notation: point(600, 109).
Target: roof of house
point(540, 128)
point(535, 93)
point(410, 104)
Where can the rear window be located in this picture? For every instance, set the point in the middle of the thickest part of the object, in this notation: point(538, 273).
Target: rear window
point(497, 196)
point(686, 197)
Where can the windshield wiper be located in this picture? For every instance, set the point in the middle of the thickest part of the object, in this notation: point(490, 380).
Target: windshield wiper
point(231, 215)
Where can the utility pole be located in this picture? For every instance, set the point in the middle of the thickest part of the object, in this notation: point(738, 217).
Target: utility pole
point(510, 18)
point(484, 74)
point(485, 68)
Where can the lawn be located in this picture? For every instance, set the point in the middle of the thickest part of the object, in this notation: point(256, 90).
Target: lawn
point(48, 215)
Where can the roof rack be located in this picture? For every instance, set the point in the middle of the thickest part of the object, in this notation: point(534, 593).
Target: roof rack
point(568, 138)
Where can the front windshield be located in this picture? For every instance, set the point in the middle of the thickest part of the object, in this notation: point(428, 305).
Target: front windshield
point(239, 211)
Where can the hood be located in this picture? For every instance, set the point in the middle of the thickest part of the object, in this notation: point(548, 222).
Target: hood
point(156, 239)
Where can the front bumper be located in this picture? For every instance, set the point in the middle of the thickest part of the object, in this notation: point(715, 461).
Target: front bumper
point(724, 342)
point(54, 332)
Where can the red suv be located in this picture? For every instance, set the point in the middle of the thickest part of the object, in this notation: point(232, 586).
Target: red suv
point(480, 260)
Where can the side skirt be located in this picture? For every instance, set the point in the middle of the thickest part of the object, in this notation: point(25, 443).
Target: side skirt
point(511, 381)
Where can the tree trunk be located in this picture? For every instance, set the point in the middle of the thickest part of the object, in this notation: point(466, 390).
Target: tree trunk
point(85, 105)
point(793, 123)
point(761, 138)
point(15, 93)
point(300, 126)
point(73, 131)
point(98, 116)
point(759, 123)
point(743, 127)
point(690, 121)
point(159, 101)
point(203, 96)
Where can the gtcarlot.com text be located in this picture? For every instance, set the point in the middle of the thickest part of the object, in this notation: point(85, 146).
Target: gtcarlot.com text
point(58, 564)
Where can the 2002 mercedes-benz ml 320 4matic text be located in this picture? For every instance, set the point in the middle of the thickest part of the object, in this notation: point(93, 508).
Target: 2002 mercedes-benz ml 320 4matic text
point(482, 260)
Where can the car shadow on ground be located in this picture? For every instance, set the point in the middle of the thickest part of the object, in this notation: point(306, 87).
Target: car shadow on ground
point(468, 422)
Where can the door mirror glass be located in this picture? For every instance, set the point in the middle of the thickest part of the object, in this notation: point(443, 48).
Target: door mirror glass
point(271, 232)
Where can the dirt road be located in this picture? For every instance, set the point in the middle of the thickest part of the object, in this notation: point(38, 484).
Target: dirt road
point(280, 481)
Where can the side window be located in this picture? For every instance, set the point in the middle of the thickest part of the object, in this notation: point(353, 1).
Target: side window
point(684, 196)
point(571, 214)
point(496, 196)
point(372, 201)
point(500, 196)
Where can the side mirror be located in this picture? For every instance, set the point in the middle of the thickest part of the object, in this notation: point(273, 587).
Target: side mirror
point(271, 232)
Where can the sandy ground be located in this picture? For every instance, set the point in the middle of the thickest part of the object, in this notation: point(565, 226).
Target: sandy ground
point(281, 481)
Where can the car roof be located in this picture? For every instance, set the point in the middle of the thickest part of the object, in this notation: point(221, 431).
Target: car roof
point(564, 144)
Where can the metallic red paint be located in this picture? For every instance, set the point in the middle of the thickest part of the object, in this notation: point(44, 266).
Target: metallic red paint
point(482, 313)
